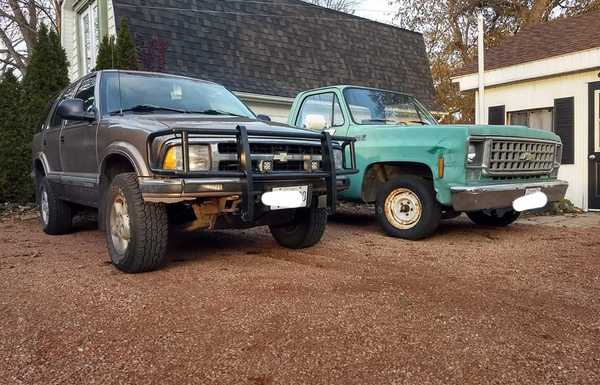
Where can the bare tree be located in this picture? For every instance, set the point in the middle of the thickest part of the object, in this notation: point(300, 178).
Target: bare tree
point(19, 22)
point(347, 6)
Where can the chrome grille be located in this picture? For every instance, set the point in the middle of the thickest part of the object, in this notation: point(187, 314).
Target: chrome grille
point(513, 157)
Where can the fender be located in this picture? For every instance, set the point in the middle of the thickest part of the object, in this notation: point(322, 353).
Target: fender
point(131, 153)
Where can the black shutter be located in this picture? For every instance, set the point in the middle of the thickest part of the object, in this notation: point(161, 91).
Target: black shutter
point(564, 126)
point(496, 115)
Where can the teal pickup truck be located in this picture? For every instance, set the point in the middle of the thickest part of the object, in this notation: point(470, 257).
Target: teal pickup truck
point(418, 172)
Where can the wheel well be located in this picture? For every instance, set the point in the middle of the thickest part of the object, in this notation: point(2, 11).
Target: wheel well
point(114, 165)
point(378, 174)
point(38, 168)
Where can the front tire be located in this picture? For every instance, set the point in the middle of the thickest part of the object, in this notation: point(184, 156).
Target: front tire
point(306, 229)
point(55, 214)
point(136, 231)
point(406, 207)
point(497, 218)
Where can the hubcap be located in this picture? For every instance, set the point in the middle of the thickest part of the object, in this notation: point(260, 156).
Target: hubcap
point(119, 224)
point(44, 208)
point(403, 208)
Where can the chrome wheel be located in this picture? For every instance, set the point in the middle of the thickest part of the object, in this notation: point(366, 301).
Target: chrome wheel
point(403, 208)
point(120, 232)
point(44, 207)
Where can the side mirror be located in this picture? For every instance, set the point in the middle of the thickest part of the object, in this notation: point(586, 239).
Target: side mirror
point(72, 109)
point(315, 122)
point(264, 118)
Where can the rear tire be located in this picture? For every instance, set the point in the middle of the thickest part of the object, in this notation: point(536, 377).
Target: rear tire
point(497, 218)
point(55, 214)
point(406, 207)
point(306, 229)
point(136, 231)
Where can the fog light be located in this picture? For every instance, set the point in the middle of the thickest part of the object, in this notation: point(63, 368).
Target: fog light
point(265, 166)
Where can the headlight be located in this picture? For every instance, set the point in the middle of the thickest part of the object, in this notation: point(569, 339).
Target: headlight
point(475, 153)
point(472, 154)
point(199, 158)
point(338, 157)
point(558, 154)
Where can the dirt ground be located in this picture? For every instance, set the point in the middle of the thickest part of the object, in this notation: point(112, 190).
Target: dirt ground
point(471, 305)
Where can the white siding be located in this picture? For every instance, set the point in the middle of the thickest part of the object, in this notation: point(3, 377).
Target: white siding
point(69, 35)
point(541, 93)
point(112, 26)
point(69, 38)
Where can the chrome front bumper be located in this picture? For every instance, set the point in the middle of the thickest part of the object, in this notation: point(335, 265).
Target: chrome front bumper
point(498, 196)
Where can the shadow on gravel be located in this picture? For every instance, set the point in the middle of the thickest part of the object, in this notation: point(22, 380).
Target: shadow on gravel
point(204, 245)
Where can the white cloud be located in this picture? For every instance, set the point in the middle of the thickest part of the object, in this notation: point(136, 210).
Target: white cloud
point(379, 10)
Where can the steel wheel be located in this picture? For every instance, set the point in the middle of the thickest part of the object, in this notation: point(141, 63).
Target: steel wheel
point(120, 230)
point(403, 208)
point(44, 207)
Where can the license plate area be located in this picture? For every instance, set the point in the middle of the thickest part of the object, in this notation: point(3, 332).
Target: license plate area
point(533, 190)
point(287, 197)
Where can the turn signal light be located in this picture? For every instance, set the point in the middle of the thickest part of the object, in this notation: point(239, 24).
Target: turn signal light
point(440, 167)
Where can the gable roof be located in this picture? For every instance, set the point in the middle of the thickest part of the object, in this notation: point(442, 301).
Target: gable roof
point(541, 41)
point(279, 47)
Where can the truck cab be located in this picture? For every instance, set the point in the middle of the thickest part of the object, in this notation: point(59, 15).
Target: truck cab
point(418, 172)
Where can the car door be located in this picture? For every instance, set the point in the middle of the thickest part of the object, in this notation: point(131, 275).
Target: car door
point(78, 149)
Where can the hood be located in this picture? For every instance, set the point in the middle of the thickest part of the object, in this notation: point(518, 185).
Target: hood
point(508, 131)
point(214, 122)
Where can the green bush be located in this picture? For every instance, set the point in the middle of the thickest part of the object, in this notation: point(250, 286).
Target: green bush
point(106, 54)
point(126, 58)
point(15, 185)
point(23, 106)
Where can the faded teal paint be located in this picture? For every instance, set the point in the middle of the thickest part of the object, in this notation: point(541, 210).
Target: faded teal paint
point(417, 144)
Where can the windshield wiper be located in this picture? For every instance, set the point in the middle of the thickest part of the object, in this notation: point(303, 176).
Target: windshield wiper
point(420, 121)
point(215, 112)
point(148, 108)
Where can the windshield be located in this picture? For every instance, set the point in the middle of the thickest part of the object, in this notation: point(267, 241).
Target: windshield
point(384, 107)
point(149, 93)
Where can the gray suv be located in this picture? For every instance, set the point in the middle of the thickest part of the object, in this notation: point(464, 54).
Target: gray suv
point(153, 150)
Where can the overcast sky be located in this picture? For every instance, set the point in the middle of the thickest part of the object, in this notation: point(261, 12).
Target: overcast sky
point(376, 9)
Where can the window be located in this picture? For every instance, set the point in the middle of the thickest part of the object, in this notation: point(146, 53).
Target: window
point(56, 120)
point(90, 36)
point(369, 106)
point(86, 93)
point(326, 105)
point(539, 118)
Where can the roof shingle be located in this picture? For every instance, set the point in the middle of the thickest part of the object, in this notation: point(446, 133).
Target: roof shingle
point(276, 49)
point(541, 41)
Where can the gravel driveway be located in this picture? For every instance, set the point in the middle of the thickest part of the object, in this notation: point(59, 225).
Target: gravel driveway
point(471, 305)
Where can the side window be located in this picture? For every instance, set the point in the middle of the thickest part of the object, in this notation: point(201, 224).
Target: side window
point(86, 93)
point(326, 105)
point(56, 121)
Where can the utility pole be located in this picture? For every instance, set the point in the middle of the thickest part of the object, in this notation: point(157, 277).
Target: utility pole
point(481, 77)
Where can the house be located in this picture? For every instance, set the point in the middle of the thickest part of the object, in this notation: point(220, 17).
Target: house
point(266, 52)
point(547, 76)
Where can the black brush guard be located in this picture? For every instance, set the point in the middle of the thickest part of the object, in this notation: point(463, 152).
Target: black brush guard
point(247, 174)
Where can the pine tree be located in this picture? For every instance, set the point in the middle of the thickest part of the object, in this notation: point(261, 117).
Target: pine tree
point(13, 177)
point(106, 54)
point(126, 57)
point(45, 76)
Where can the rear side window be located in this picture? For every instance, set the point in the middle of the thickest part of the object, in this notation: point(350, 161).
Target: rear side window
point(327, 105)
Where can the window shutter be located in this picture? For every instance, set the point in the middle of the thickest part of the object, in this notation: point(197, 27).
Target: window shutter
point(564, 126)
point(496, 115)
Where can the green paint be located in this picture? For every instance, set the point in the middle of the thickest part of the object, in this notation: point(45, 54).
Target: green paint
point(417, 144)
